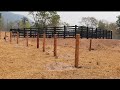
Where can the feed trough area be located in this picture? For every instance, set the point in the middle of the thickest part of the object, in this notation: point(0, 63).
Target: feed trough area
point(24, 58)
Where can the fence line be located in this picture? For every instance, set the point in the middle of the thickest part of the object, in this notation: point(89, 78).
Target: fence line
point(65, 32)
point(77, 43)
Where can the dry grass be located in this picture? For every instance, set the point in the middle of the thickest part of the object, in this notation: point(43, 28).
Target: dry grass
point(20, 61)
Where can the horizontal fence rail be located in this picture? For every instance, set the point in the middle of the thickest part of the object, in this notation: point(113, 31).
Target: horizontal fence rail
point(64, 32)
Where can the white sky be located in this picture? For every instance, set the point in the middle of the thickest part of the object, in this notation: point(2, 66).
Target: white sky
point(74, 17)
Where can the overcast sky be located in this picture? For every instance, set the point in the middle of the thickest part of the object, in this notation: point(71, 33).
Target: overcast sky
point(74, 17)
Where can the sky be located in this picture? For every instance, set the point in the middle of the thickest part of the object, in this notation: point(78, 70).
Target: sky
point(74, 17)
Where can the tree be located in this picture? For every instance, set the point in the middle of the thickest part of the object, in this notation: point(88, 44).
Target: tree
point(45, 18)
point(10, 25)
point(55, 20)
point(1, 22)
point(89, 21)
point(118, 21)
point(24, 23)
point(101, 24)
point(112, 26)
point(17, 23)
point(65, 24)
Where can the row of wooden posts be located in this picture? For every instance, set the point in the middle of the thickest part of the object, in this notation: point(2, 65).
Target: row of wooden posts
point(77, 44)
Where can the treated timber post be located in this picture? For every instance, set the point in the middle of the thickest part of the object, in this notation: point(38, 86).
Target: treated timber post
point(54, 30)
point(5, 36)
point(64, 31)
point(10, 36)
point(103, 34)
point(90, 44)
point(100, 33)
point(44, 36)
point(38, 40)
point(30, 32)
point(106, 34)
point(75, 30)
point(55, 44)
point(81, 34)
point(87, 32)
point(77, 50)
point(27, 39)
point(111, 34)
point(92, 33)
point(24, 32)
point(17, 36)
point(96, 33)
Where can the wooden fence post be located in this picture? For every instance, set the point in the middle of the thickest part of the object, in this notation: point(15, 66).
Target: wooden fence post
point(90, 44)
point(24, 32)
point(17, 36)
point(81, 33)
point(30, 32)
point(96, 33)
point(75, 30)
point(87, 32)
point(111, 34)
point(38, 40)
point(103, 34)
point(55, 44)
point(77, 50)
point(92, 33)
point(64, 31)
point(106, 34)
point(100, 33)
point(10, 36)
point(54, 30)
point(44, 36)
point(5, 36)
point(27, 39)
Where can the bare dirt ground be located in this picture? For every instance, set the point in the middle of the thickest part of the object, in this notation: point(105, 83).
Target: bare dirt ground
point(17, 61)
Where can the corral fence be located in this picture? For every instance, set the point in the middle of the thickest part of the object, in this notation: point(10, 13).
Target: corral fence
point(64, 32)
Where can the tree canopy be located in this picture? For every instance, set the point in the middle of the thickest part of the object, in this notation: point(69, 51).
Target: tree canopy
point(89, 21)
point(45, 18)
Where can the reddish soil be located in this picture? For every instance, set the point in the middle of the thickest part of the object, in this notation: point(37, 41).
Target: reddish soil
point(20, 61)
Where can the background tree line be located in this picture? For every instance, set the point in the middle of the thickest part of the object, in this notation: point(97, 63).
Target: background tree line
point(51, 18)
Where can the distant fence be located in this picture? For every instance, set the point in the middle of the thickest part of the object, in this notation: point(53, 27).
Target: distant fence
point(64, 32)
